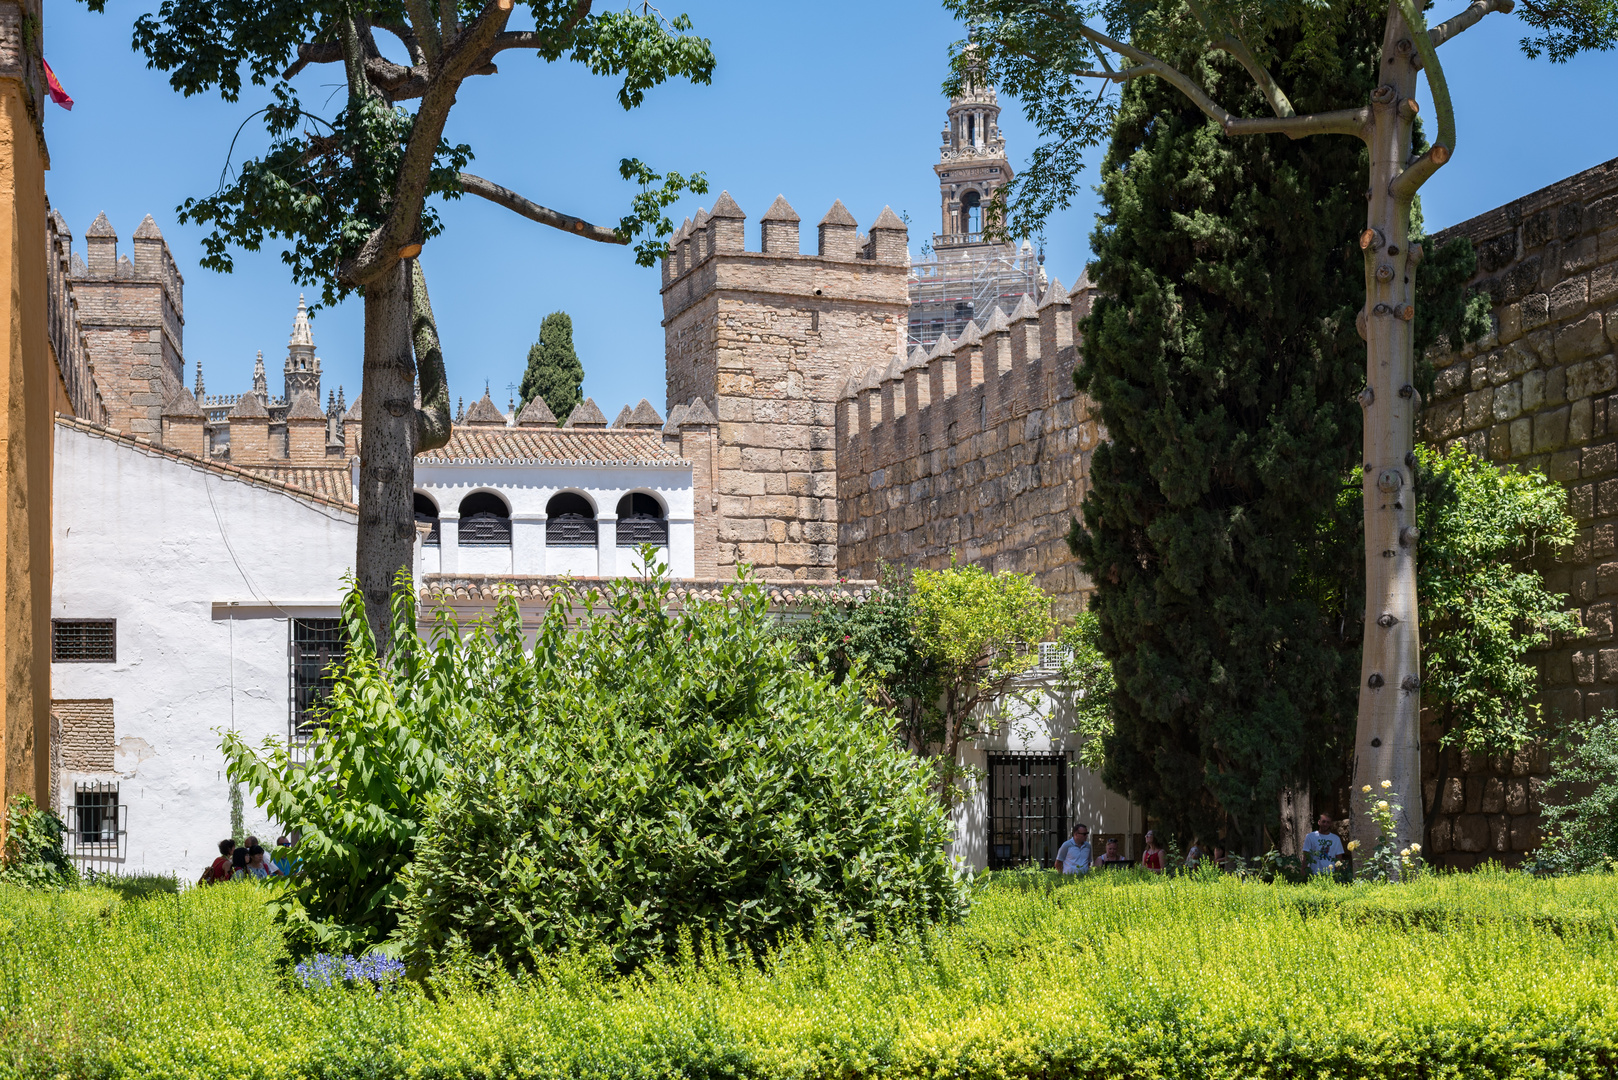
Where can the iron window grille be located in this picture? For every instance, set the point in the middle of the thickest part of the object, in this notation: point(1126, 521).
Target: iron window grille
point(638, 530)
point(97, 827)
point(84, 641)
point(484, 529)
point(570, 530)
point(317, 645)
point(1028, 809)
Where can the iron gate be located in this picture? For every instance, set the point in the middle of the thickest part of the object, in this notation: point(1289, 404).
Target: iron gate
point(1027, 808)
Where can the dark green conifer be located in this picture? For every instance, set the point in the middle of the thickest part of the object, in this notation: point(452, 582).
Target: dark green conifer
point(554, 372)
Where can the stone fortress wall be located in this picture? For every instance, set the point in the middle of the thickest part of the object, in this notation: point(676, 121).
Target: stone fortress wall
point(978, 450)
point(1538, 393)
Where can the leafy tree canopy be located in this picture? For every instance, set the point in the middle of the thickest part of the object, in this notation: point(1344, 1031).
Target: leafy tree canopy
point(554, 372)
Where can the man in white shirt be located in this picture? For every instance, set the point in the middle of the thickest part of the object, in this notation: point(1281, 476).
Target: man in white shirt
point(1323, 846)
point(1073, 857)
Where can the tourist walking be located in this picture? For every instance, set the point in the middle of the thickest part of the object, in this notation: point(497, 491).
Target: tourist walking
point(1073, 857)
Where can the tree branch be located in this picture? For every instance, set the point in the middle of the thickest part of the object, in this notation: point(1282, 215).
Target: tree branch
point(1340, 122)
point(407, 37)
point(421, 17)
point(433, 424)
point(383, 248)
point(1261, 76)
point(449, 23)
point(1410, 181)
point(314, 52)
point(1478, 8)
point(476, 185)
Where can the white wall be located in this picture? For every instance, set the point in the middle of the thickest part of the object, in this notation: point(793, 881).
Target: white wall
point(1046, 729)
point(528, 488)
point(201, 572)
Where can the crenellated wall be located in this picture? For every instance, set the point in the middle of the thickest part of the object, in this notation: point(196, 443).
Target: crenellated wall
point(766, 339)
point(1539, 393)
point(979, 448)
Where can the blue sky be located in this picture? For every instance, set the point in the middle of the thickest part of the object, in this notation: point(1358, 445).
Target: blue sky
point(817, 102)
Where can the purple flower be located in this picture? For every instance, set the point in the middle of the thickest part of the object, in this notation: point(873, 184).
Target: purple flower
point(326, 969)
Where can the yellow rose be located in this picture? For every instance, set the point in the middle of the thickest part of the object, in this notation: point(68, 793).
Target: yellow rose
point(1353, 845)
point(1366, 789)
point(1386, 784)
point(1416, 848)
point(1382, 804)
point(1405, 854)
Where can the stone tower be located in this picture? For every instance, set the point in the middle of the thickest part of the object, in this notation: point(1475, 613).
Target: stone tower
point(133, 319)
point(303, 366)
point(767, 340)
point(971, 167)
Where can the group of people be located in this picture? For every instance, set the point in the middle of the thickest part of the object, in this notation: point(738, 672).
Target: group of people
point(1076, 856)
point(1321, 848)
point(248, 861)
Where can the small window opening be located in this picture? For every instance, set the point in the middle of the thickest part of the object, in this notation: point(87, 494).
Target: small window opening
point(317, 645)
point(485, 521)
point(641, 521)
point(84, 641)
point(570, 521)
point(427, 511)
point(971, 132)
point(972, 204)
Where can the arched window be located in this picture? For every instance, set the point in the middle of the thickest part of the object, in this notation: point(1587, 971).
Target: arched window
point(641, 521)
point(485, 520)
point(427, 510)
point(570, 521)
point(972, 208)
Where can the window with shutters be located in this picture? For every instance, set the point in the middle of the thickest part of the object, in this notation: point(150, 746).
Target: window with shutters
point(84, 641)
point(570, 521)
point(485, 521)
point(641, 521)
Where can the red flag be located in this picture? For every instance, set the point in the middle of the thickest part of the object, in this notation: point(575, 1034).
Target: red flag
point(58, 95)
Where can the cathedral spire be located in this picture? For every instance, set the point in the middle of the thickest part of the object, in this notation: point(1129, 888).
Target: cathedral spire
point(198, 392)
point(303, 366)
point(261, 386)
point(301, 334)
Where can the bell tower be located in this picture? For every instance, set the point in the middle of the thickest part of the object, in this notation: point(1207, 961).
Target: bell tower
point(971, 167)
point(303, 366)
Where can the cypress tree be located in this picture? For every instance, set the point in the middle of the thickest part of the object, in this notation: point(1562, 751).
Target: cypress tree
point(1223, 356)
point(554, 372)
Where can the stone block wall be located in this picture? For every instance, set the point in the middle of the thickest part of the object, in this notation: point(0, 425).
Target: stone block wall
point(133, 318)
point(980, 448)
point(1539, 393)
point(766, 339)
point(68, 342)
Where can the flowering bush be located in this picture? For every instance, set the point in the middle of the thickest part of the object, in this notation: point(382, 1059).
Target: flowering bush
point(325, 969)
point(1387, 861)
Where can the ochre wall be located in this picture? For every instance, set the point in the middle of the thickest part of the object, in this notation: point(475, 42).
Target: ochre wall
point(28, 389)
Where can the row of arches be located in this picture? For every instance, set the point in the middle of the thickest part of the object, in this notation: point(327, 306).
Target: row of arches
point(485, 520)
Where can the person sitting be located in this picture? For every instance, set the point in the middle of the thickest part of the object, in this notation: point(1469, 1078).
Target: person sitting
point(219, 869)
point(282, 860)
point(1152, 858)
point(1111, 857)
point(256, 861)
point(1219, 856)
point(238, 865)
point(1193, 857)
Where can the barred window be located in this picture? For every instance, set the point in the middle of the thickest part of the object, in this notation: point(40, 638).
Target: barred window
point(84, 641)
point(641, 521)
point(95, 813)
point(317, 645)
point(485, 521)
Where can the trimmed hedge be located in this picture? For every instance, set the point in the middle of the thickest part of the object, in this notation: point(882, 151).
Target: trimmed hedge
point(1109, 977)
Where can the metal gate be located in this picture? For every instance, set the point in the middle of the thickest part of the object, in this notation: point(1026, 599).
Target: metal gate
point(1027, 808)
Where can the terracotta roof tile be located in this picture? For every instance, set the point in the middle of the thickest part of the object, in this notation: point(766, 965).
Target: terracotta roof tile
point(558, 446)
point(333, 481)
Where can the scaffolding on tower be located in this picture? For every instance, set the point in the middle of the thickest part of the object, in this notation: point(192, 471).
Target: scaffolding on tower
point(965, 281)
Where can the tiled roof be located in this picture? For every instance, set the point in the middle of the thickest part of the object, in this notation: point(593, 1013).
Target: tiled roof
point(553, 446)
point(343, 501)
point(533, 590)
point(333, 481)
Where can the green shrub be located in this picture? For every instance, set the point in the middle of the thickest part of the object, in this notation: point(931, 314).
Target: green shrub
point(654, 772)
point(33, 853)
point(1116, 975)
point(1581, 800)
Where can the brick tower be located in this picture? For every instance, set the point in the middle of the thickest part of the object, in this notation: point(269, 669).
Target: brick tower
point(767, 339)
point(302, 372)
